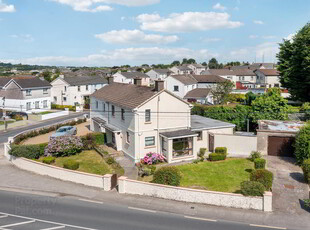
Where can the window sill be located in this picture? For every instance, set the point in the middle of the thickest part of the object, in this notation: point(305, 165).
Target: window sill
point(150, 147)
point(148, 122)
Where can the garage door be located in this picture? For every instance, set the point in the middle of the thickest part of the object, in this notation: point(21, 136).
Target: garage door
point(281, 146)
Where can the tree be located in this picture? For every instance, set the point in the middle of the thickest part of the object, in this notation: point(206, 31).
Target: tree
point(213, 63)
point(47, 75)
point(204, 64)
point(269, 106)
point(222, 91)
point(249, 97)
point(302, 144)
point(174, 63)
point(294, 64)
point(191, 61)
point(184, 61)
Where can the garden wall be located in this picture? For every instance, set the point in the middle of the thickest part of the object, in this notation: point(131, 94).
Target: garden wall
point(128, 186)
point(40, 117)
point(14, 124)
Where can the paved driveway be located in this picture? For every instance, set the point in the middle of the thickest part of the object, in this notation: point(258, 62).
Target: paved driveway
point(289, 187)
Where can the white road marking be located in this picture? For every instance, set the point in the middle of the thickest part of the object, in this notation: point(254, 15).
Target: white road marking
point(53, 228)
point(198, 218)
point(142, 209)
point(91, 201)
point(16, 224)
point(266, 226)
point(46, 221)
point(3, 216)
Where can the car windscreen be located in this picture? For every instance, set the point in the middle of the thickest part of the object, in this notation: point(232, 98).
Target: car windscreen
point(61, 130)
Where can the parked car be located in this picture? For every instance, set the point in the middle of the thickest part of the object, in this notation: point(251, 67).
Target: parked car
point(13, 114)
point(65, 131)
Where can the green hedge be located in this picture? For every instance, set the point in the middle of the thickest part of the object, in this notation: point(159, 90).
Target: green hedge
point(202, 152)
point(221, 150)
point(262, 176)
point(71, 164)
point(48, 160)
point(168, 175)
point(302, 144)
point(259, 163)
point(28, 151)
point(217, 156)
point(63, 107)
point(252, 188)
point(254, 155)
point(306, 169)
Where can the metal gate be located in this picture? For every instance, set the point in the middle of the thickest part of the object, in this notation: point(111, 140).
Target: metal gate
point(281, 146)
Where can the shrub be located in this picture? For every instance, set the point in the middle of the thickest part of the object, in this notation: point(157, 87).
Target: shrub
point(302, 144)
point(17, 117)
point(259, 163)
point(64, 146)
point(63, 107)
point(202, 152)
point(307, 203)
point(27, 151)
point(49, 160)
point(221, 150)
point(263, 176)
point(99, 138)
point(152, 168)
point(153, 158)
point(201, 159)
point(306, 169)
point(71, 164)
point(110, 160)
point(254, 155)
point(168, 175)
point(196, 161)
point(88, 142)
point(252, 188)
point(217, 156)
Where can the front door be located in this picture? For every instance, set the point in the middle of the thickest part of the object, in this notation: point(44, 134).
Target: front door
point(211, 142)
point(37, 104)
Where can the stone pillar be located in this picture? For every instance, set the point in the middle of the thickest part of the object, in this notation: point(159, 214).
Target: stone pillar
point(267, 205)
point(121, 184)
point(107, 182)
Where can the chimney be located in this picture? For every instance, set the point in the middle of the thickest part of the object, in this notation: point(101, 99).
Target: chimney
point(110, 80)
point(137, 81)
point(159, 85)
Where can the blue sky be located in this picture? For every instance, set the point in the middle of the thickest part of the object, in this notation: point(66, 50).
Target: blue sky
point(116, 32)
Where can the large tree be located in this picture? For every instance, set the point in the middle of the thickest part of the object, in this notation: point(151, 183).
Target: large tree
point(294, 64)
point(213, 63)
point(222, 91)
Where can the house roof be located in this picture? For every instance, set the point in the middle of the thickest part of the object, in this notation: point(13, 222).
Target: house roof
point(280, 126)
point(32, 82)
point(208, 78)
point(134, 74)
point(183, 67)
point(125, 95)
point(202, 123)
point(85, 80)
point(179, 133)
point(243, 72)
point(198, 93)
point(4, 81)
point(162, 71)
point(186, 79)
point(269, 72)
point(218, 72)
point(198, 65)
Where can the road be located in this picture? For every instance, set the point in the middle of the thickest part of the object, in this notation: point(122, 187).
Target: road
point(4, 135)
point(20, 211)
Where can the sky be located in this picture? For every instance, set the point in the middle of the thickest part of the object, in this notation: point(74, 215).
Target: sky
point(135, 32)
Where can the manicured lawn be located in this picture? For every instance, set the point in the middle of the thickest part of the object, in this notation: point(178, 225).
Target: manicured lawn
point(45, 112)
point(222, 176)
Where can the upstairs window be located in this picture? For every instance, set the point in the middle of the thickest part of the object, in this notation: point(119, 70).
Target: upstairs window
point(127, 137)
point(147, 115)
point(123, 114)
point(45, 91)
point(86, 87)
point(28, 92)
point(65, 88)
point(103, 106)
point(79, 88)
point(113, 111)
point(97, 104)
point(176, 88)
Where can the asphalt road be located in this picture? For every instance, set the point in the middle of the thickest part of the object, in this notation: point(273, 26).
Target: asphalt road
point(20, 211)
point(4, 135)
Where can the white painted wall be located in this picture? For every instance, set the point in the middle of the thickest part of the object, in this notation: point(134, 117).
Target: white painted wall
point(170, 82)
point(20, 105)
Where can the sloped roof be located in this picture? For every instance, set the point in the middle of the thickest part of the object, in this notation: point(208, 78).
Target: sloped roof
point(198, 93)
point(209, 78)
point(244, 72)
point(85, 80)
point(4, 81)
point(33, 82)
point(269, 72)
point(218, 72)
point(134, 74)
point(186, 79)
point(162, 71)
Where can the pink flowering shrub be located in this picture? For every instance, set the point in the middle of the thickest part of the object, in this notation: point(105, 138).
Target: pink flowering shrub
point(153, 158)
point(63, 146)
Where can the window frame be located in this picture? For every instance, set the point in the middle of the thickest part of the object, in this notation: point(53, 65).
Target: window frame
point(28, 92)
point(113, 110)
point(86, 88)
point(151, 139)
point(79, 88)
point(147, 116)
point(97, 104)
point(45, 91)
point(123, 114)
point(176, 88)
point(127, 137)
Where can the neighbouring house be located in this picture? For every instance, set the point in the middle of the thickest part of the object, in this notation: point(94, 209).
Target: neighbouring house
point(128, 77)
point(139, 119)
point(182, 69)
point(75, 90)
point(25, 93)
point(200, 95)
point(268, 78)
point(158, 74)
point(196, 68)
point(180, 85)
point(224, 73)
point(245, 75)
point(276, 138)
point(208, 81)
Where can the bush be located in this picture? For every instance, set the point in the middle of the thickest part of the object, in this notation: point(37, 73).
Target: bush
point(254, 155)
point(306, 169)
point(217, 156)
point(152, 158)
point(99, 138)
point(88, 142)
point(71, 164)
point(196, 161)
point(110, 160)
point(262, 176)
point(202, 152)
point(221, 150)
point(17, 117)
point(307, 203)
point(168, 175)
point(302, 144)
point(252, 188)
point(49, 160)
point(259, 163)
point(64, 146)
point(63, 107)
point(27, 151)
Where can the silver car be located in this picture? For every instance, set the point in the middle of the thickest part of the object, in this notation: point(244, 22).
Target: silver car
point(65, 131)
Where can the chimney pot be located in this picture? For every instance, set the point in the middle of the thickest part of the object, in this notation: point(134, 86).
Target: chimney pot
point(159, 85)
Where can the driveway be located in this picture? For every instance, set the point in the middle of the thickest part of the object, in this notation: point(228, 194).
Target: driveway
point(289, 187)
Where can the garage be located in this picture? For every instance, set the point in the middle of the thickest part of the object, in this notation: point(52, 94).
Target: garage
point(281, 146)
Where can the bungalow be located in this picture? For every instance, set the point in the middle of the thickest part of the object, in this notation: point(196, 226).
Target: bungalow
point(268, 77)
point(128, 77)
point(158, 74)
point(25, 93)
point(208, 81)
point(200, 95)
point(180, 85)
point(224, 73)
point(138, 120)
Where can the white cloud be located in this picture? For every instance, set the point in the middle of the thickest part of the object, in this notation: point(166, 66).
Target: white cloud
point(135, 37)
point(290, 37)
point(187, 22)
point(130, 56)
point(253, 36)
point(211, 39)
point(24, 37)
point(123, 18)
point(102, 5)
point(218, 6)
point(5, 8)
point(258, 22)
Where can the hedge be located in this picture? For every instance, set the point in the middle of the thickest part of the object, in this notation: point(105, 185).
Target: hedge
point(259, 163)
point(202, 152)
point(252, 188)
point(63, 107)
point(28, 151)
point(71, 164)
point(302, 144)
point(306, 169)
point(168, 175)
point(221, 150)
point(263, 176)
point(254, 155)
point(48, 160)
point(217, 156)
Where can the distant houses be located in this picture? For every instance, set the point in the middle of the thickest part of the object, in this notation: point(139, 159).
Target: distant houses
point(128, 77)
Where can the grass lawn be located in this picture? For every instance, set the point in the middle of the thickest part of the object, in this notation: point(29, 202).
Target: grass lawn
point(2, 122)
point(45, 112)
point(222, 176)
